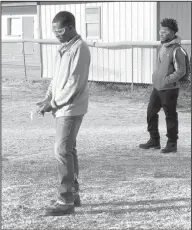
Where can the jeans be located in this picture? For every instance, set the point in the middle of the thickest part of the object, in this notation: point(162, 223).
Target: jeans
point(166, 99)
point(66, 154)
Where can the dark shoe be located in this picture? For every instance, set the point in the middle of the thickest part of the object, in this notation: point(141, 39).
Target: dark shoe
point(152, 143)
point(58, 209)
point(77, 201)
point(170, 147)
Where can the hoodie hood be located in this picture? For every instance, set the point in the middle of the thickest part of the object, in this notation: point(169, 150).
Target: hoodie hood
point(176, 40)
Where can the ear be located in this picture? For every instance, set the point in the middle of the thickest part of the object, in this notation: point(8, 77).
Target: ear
point(70, 27)
point(173, 32)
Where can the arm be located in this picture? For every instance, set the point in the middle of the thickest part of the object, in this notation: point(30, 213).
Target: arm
point(48, 95)
point(78, 74)
point(179, 65)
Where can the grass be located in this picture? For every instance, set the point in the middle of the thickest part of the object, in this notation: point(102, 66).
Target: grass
point(122, 187)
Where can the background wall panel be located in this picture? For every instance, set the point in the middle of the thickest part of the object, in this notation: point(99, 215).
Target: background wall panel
point(181, 11)
point(120, 21)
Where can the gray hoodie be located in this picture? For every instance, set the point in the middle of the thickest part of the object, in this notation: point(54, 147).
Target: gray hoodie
point(171, 66)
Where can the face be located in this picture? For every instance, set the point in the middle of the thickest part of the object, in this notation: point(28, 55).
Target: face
point(61, 32)
point(166, 34)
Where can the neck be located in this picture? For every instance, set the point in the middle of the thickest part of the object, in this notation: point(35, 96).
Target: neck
point(171, 39)
point(73, 34)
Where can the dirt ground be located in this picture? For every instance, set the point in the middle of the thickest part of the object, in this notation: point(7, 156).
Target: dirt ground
point(122, 186)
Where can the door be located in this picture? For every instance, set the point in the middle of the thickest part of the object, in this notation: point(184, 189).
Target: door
point(28, 33)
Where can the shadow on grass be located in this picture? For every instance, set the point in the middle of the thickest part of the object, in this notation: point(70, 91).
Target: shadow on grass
point(140, 202)
point(137, 210)
point(120, 210)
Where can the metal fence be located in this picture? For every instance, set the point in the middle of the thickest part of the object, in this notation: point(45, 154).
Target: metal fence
point(135, 59)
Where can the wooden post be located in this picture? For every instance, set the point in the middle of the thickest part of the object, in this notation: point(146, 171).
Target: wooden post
point(24, 60)
point(40, 37)
point(132, 69)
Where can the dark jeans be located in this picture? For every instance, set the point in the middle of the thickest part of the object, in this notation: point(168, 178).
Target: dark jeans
point(166, 99)
point(66, 154)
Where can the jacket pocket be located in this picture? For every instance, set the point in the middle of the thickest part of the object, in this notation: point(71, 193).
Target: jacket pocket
point(158, 80)
point(169, 85)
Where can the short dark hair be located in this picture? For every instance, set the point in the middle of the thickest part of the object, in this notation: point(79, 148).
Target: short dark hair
point(65, 17)
point(170, 23)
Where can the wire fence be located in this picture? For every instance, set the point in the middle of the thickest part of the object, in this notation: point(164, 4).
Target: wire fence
point(120, 65)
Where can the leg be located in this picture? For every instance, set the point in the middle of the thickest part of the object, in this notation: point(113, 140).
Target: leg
point(169, 103)
point(77, 201)
point(76, 164)
point(75, 187)
point(66, 132)
point(153, 109)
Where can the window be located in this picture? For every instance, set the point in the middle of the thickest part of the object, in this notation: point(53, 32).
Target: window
point(14, 26)
point(93, 22)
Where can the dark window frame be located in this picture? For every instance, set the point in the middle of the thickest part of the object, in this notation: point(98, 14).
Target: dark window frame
point(9, 26)
point(93, 22)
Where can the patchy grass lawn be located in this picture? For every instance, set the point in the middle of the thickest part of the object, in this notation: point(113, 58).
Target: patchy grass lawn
point(122, 186)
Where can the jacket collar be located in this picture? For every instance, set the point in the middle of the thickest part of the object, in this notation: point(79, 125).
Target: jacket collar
point(176, 40)
point(66, 46)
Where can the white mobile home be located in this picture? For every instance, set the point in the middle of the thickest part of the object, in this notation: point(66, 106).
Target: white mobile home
point(19, 20)
point(108, 22)
point(113, 22)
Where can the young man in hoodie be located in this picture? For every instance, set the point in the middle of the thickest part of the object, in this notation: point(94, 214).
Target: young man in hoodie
point(67, 98)
point(171, 67)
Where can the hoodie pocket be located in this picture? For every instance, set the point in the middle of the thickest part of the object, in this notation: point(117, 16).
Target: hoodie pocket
point(170, 85)
point(158, 80)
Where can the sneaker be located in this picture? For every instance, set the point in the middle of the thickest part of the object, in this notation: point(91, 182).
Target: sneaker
point(170, 147)
point(58, 209)
point(151, 143)
point(77, 201)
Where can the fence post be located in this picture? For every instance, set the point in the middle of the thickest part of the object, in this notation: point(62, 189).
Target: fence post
point(24, 60)
point(40, 37)
point(132, 69)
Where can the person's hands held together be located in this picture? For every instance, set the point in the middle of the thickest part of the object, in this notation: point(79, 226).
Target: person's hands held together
point(43, 107)
point(46, 107)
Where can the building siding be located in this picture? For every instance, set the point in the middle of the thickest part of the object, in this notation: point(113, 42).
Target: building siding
point(181, 11)
point(120, 21)
point(12, 53)
point(22, 12)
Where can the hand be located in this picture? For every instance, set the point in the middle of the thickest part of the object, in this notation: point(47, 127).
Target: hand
point(41, 103)
point(46, 107)
point(39, 108)
point(41, 113)
point(168, 80)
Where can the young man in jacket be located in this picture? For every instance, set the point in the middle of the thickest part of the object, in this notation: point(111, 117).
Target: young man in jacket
point(171, 67)
point(67, 98)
